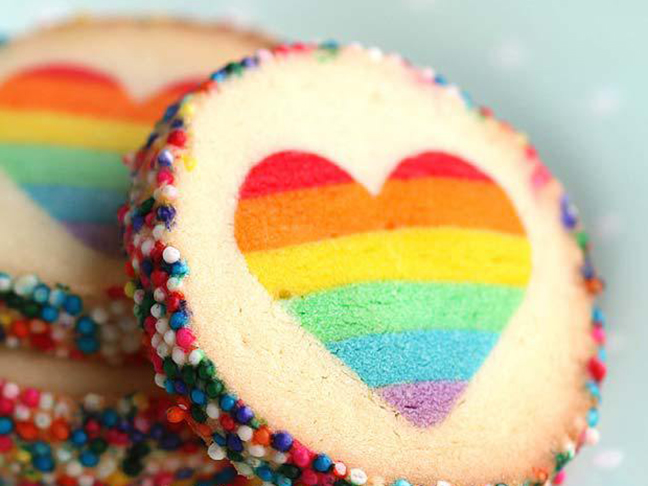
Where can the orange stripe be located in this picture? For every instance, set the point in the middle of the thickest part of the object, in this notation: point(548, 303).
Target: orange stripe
point(302, 216)
point(102, 100)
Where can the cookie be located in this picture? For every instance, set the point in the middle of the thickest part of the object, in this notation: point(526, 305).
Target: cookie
point(73, 99)
point(383, 283)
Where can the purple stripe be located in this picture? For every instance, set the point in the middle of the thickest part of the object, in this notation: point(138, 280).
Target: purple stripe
point(425, 403)
point(101, 237)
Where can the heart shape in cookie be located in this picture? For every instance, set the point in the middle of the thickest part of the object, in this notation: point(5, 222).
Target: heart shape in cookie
point(64, 131)
point(410, 288)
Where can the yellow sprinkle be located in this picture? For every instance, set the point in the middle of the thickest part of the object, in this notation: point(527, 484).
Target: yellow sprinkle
point(23, 456)
point(189, 162)
point(118, 479)
point(187, 110)
point(129, 289)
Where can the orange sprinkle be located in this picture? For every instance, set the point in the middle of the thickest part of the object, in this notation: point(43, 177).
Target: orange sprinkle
point(59, 430)
point(175, 415)
point(26, 430)
point(261, 436)
point(20, 329)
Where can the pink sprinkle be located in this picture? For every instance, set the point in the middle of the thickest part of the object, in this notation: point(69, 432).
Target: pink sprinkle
point(560, 478)
point(599, 334)
point(300, 456)
point(165, 177)
point(157, 363)
point(184, 337)
point(6, 406)
point(541, 176)
point(30, 397)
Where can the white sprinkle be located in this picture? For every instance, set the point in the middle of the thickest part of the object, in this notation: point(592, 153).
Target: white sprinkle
point(74, 469)
point(216, 452)
point(22, 413)
point(159, 295)
point(42, 420)
point(162, 325)
point(5, 283)
point(86, 480)
point(280, 458)
point(195, 357)
point(243, 469)
point(158, 231)
point(169, 192)
point(147, 246)
point(592, 436)
point(159, 380)
point(92, 402)
point(10, 390)
point(171, 254)
point(174, 283)
point(138, 296)
point(106, 467)
point(212, 410)
point(169, 337)
point(257, 450)
point(357, 476)
point(131, 343)
point(179, 356)
point(46, 401)
point(162, 350)
point(245, 433)
point(157, 311)
point(99, 315)
point(25, 285)
point(156, 340)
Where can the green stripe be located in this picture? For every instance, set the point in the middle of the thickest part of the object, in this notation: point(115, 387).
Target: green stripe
point(389, 307)
point(65, 166)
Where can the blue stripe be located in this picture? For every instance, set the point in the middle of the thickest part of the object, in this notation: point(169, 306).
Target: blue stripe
point(388, 359)
point(77, 204)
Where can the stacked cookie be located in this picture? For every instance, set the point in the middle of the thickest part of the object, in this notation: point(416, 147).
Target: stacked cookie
point(348, 273)
point(77, 405)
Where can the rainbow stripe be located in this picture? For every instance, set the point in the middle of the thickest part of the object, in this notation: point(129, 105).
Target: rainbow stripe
point(410, 289)
point(63, 130)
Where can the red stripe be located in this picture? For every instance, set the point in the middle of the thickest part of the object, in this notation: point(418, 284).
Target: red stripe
point(437, 164)
point(289, 171)
point(70, 71)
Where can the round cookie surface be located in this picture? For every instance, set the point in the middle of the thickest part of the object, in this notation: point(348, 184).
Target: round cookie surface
point(382, 280)
point(73, 99)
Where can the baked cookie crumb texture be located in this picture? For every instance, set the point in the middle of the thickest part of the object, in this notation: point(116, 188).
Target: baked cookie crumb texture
point(411, 305)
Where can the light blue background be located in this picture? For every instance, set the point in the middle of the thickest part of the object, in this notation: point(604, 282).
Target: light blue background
point(573, 74)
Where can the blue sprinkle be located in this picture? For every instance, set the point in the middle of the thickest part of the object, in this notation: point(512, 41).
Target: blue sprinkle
point(569, 213)
point(177, 123)
point(57, 297)
point(87, 344)
point(169, 386)
point(234, 443)
point(598, 315)
point(73, 304)
point(146, 266)
point(219, 76)
point(88, 459)
point(136, 436)
point(151, 138)
point(43, 463)
point(244, 414)
point(41, 293)
point(322, 463)
point(178, 319)
point(79, 437)
point(219, 439)
point(170, 442)
point(180, 387)
point(602, 354)
point(86, 326)
point(165, 158)
point(49, 313)
point(166, 214)
point(250, 62)
point(401, 482)
point(6, 425)
point(179, 269)
point(282, 441)
point(592, 417)
point(440, 80)
point(198, 396)
point(264, 473)
point(137, 221)
point(109, 417)
point(594, 389)
point(282, 480)
point(171, 111)
point(587, 270)
point(157, 431)
point(40, 448)
point(227, 402)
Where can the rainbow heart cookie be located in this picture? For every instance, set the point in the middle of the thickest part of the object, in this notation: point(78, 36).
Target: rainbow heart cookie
point(73, 99)
point(410, 288)
point(376, 282)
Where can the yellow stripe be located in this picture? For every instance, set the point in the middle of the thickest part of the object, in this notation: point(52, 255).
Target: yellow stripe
point(413, 254)
point(70, 130)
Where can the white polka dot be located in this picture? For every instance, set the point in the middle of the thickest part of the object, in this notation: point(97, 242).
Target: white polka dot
point(509, 54)
point(608, 459)
point(605, 101)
